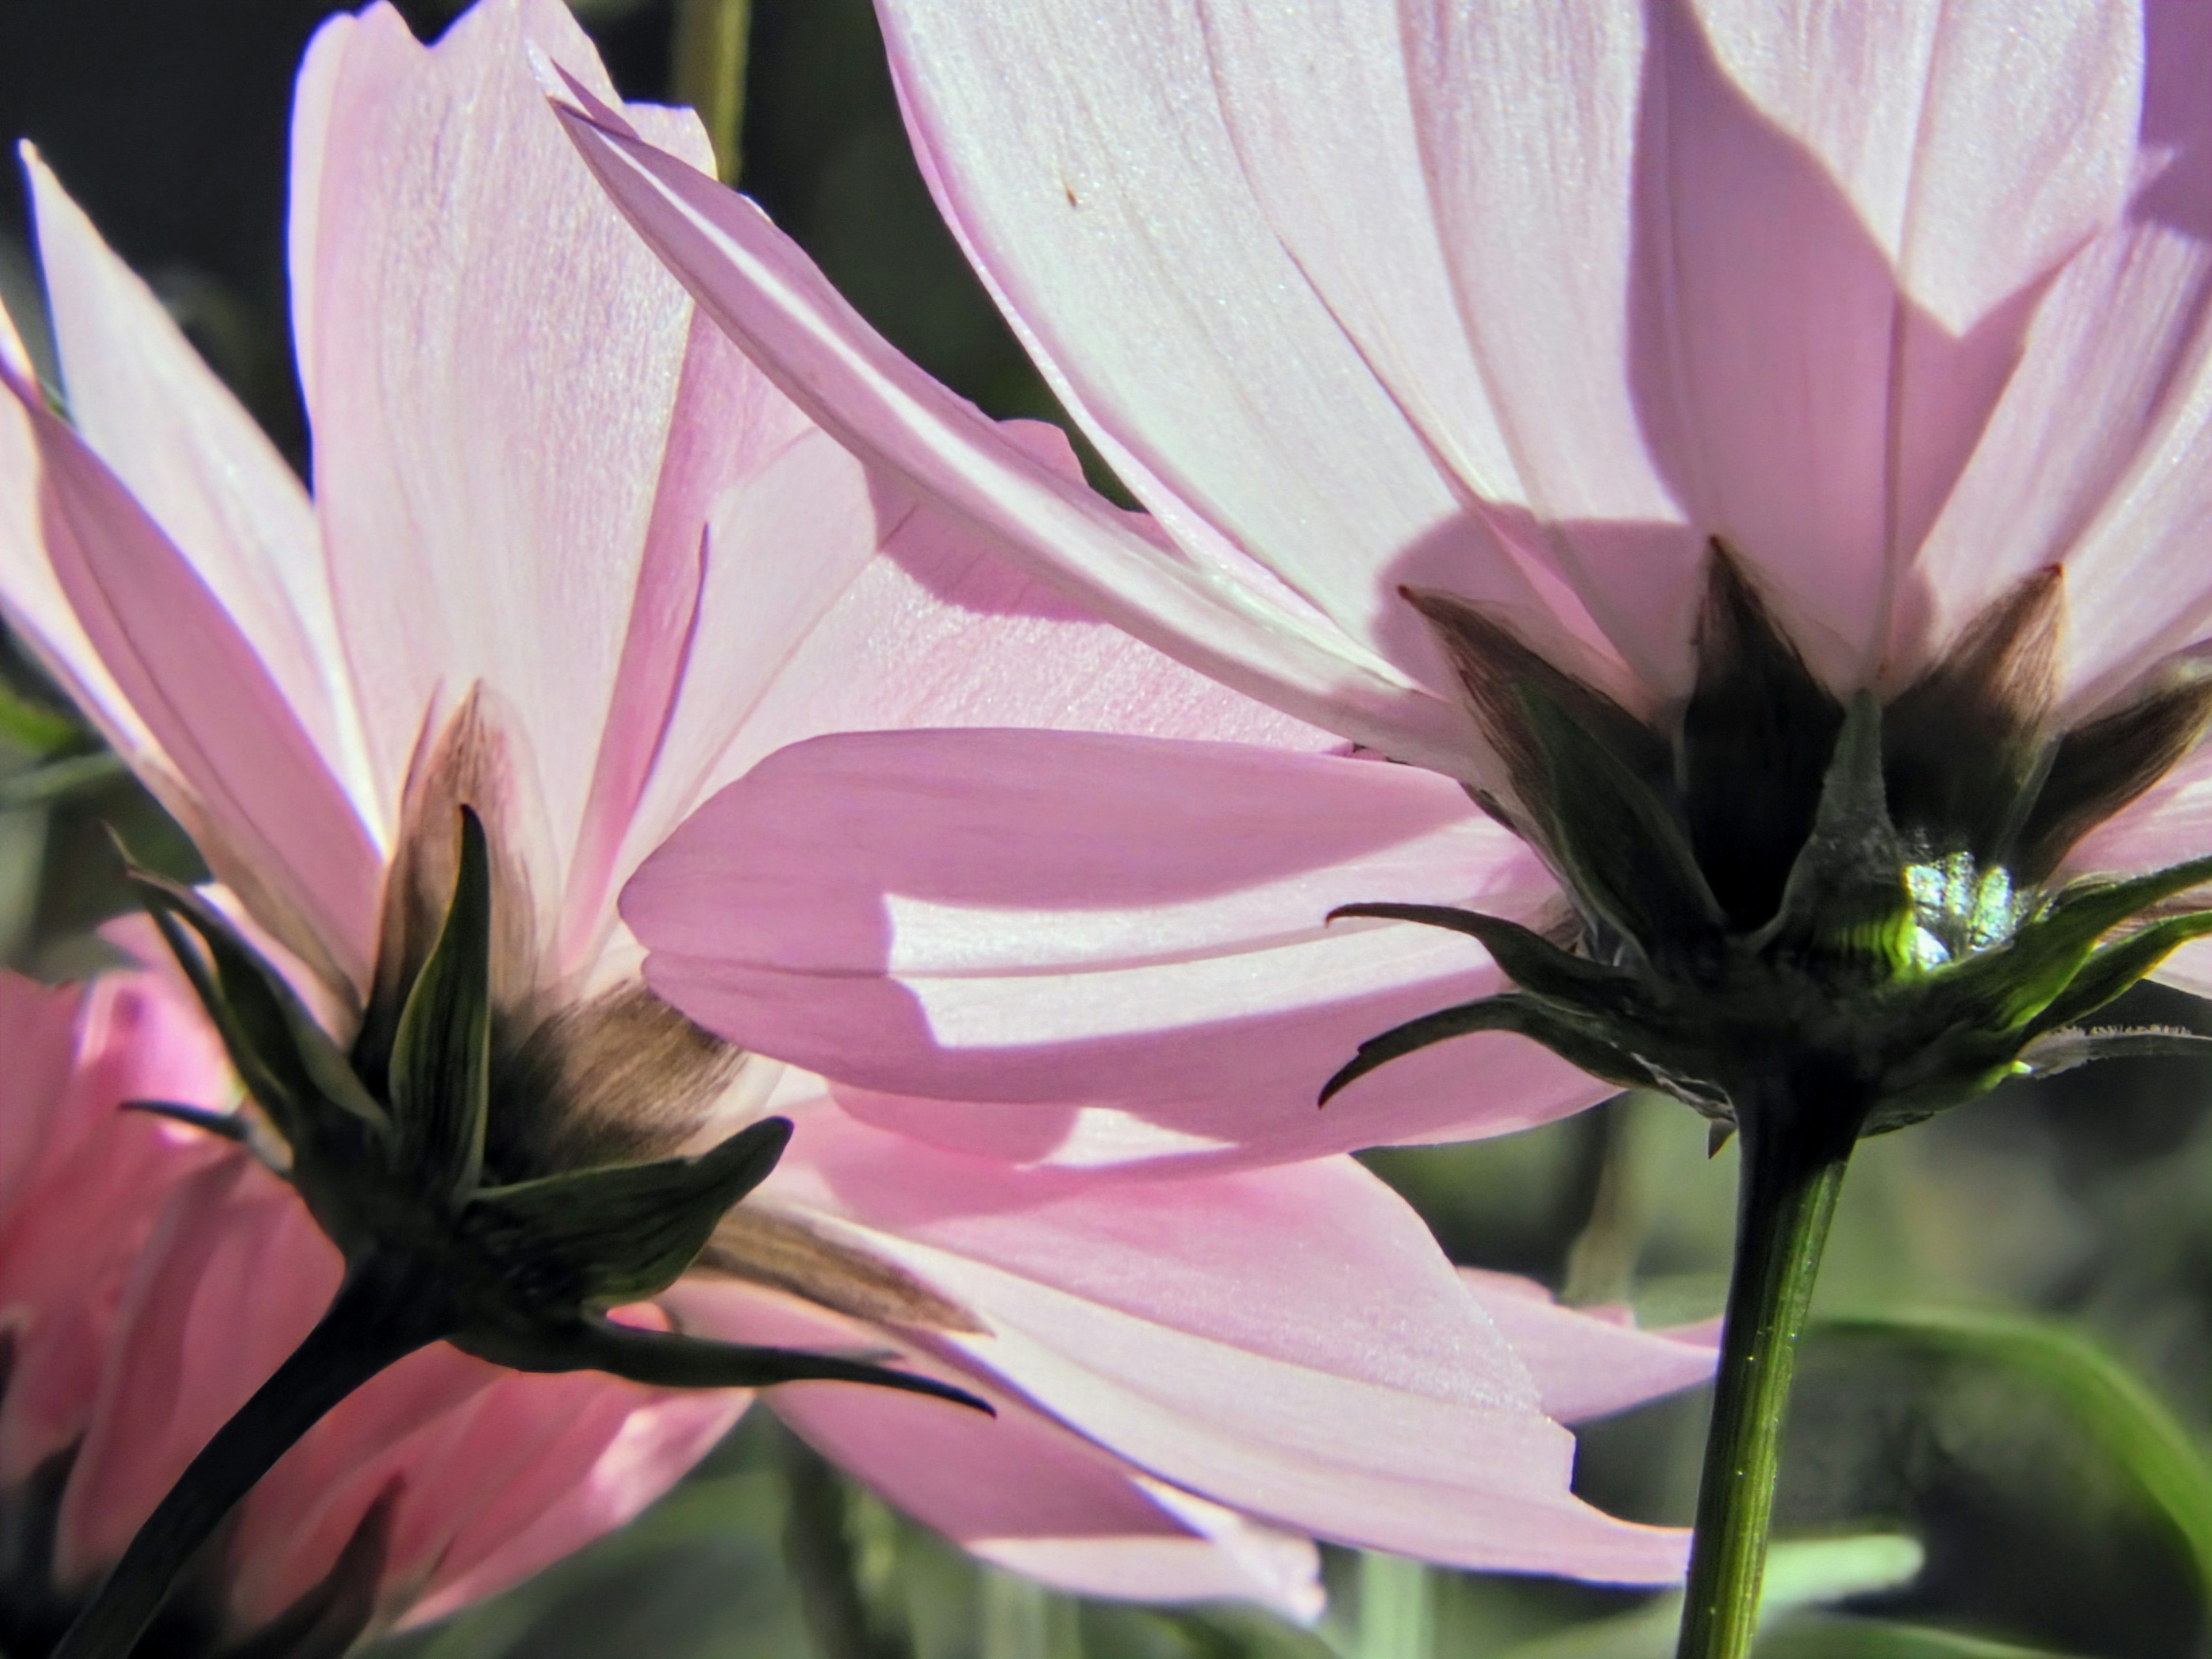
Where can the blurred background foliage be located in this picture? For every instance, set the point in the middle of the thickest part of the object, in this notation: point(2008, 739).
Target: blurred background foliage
point(1999, 1443)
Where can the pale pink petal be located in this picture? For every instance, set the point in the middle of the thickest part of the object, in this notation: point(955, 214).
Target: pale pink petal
point(1017, 1489)
point(140, 396)
point(1212, 615)
point(1023, 1492)
point(37, 1035)
point(247, 779)
point(1089, 920)
point(1286, 1341)
point(235, 1275)
point(300, 1517)
point(81, 1182)
point(31, 600)
point(728, 428)
point(1317, 1263)
point(1226, 299)
point(656, 1443)
point(814, 635)
point(1207, 1330)
point(1585, 1364)
point(490, 421)
point(490, 1474)
point(2100, 456)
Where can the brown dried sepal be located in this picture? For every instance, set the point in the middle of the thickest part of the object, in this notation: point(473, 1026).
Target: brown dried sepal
point(762, 1247)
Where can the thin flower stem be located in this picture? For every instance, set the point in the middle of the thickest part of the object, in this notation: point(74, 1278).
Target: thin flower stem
point(374, 1321)
point(818, 1548)
point(1789, 1189)
point(707, 72)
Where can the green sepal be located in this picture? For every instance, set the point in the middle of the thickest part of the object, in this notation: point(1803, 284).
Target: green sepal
point(1624, 852)
point(1513, 1011)
point(1967, 741)
point(604, 1236)
point(1528, 958)
point(2062, 1050)
point(670, 1359)
point(1845, 903)
point(2115, 969)
point(1753, 758)
point(441, 1050)
point(2088, 910)
point(2096, 769)
point(2009, 987)
point(284, 1058)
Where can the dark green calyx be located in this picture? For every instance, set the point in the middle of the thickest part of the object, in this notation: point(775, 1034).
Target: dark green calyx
point(522, 1265)
point(1787, 896)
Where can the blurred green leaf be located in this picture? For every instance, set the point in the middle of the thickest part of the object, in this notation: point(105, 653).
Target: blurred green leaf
point(1841, 1638)
point(1800, 1573)
point(2142, 1435)
point(37, 786)
point(22, 862)
point(2061, 1503)
point(33, 726)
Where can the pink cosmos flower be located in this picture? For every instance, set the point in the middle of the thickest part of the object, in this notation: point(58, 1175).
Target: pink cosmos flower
point(1520, 306)
point(570, 559)
point(150, 1276)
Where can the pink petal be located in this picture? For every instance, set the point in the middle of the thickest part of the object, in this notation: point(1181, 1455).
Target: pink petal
point(1082, 919)
point(2170, 824)
point(1586, 1364)
point(173, 435)
point(1200, 608)
point(490, 422)
point(234, 760)
point(1799, 275)
point(533, 1525)
point(1227, 303)
point(31, 600)
point(81, 1184)
point(814, 633)
point(1287, 1341)
point(491, 1474)
point(727, 427)
point(235, 1275)
point(1017, 1489)
point(2100, 456)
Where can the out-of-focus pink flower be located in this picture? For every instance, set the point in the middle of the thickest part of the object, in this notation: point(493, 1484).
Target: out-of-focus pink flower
point(571, 559)
point(1519, 304)
point(150, 1277)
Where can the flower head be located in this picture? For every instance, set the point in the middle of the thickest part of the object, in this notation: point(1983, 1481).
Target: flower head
point(572, 563)
point(1691, 371)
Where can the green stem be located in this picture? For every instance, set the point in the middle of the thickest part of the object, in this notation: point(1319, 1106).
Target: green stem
point(818, 1548)
point(707, 72)
point(1788, 1195)
point(376, 1319)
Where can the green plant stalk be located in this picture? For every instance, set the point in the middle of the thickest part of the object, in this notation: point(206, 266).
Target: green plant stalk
point(374, 1321)
point(707, 72)
point(1788, 1196)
